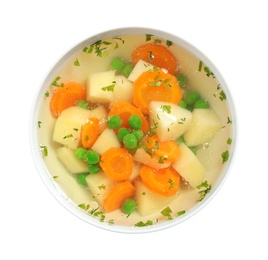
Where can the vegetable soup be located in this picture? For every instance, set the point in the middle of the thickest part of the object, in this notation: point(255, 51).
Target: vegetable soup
point(135, 130)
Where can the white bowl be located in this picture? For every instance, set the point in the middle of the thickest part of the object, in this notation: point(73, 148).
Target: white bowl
point(44, 169)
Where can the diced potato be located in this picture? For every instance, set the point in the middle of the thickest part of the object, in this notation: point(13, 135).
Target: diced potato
point(189, 167)
point(140, 67)
point(142, 157)
point(71, 163)
point(123, 90)
point(149, 202)
point(100, 86)
point(68, 125)
point(105, 141)
point(99, 185)
point(205, 124)
point(171, 120)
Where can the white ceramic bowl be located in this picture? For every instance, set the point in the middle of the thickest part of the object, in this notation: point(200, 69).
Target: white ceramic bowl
point(45, 170)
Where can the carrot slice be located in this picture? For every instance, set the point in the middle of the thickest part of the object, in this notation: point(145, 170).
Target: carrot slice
point(125, 109)
point(155, 86)
point(164, 181)
point(90, 132)
point(117, 164)
point(157, 55)
point(118, 195)
point(66, 96)
point(164, 151)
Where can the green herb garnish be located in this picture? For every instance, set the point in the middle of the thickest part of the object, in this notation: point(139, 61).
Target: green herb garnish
point(181, 213)
point(76, 63)
point(202, 193)
point(68, 136)
point(144, 224)
point(55, 82)
point(225, 156)
point(109, 88)
point(39, 124)
point(167, 213)
point(166, 108)
point(44, 149)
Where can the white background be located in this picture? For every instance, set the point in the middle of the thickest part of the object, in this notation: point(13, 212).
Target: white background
point(35, 34)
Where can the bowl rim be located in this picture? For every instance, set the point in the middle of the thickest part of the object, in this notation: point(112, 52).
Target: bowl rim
point(55, 190)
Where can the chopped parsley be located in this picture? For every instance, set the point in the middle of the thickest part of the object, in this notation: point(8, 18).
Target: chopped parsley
point(68, 136)
point(166, 212)
point(206, 69)
point(179, 213)
point(225, 156)
point(229, 141)
point(109, 88)
point(100, 48)
point(76, 62)
point(204, 188)
point(47, 94)
point(56, 83)
point(84, 206)
point(39, 124)
point(44, 149)
point(166, 108)
point(144, 224)
point(102, 187)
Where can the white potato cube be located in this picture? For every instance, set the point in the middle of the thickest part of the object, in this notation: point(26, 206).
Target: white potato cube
point(189, 167)
point(71, 163)
point(171, 120)
point(99, 185)
point(100, 86)
point(140, 67)
point(205, 124)
point(67, 130)
point(123, 90)
point(106, 140)
point(68, 125)
point(136, 167)
point(149, 202)
point(142, 157)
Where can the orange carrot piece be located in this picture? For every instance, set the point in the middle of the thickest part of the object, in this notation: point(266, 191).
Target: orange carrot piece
point(66, 96)
point(90, 132)
point(155, 86)
point(118, 195)
point(164, 151)
point(164, 181)
point(117, 164)
point(125, 109)
point(157, 55)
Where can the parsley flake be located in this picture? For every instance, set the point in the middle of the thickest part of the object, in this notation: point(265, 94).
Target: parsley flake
point(202, 193)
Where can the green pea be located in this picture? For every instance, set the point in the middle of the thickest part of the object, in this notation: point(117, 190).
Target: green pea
point(81, 178)
point(191, 97)
point(138, 133)
point(122, 132)
point(130, 141)
point(114, 121)
point(117, 64)
point(182, 79)
point(183, 104)
point(94, 168)
point(201, 103)
point(134, 121)
point(80, 153)
point(126, 70)
point(128, 206)
point(91, 157)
